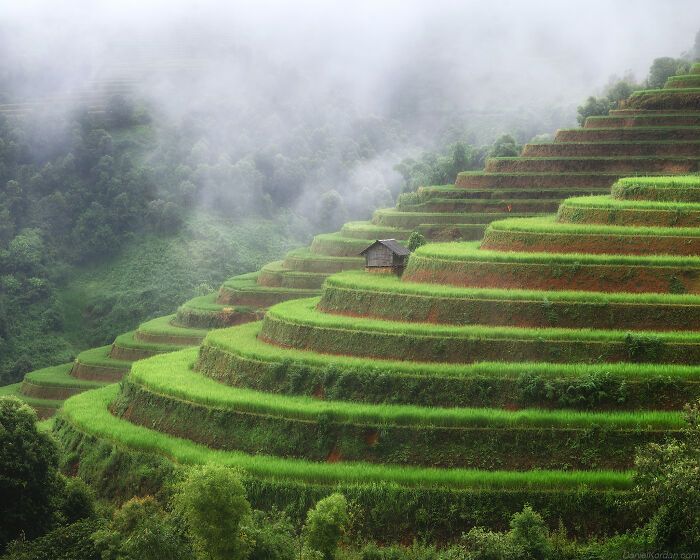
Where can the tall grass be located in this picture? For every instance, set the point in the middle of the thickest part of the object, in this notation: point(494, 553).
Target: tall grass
point(59, 376)
point(172, 375)
point(356, 280)
point(368, 227)
point(622, 142)
point(100, 357)
point(632, 131)
point(248, 283)
point(89, 413)
point(339, 239)
point(128, 340)
point(243, 341)
point(14, 391)
point(646, 117)
point(470, 252)
point(607, 201)
point(640, 92)
point(277, 267)
point(550, 225)
point(305, 253)
point(660, 181)
point(164, 326)
point(303, 312)
point(597, 158)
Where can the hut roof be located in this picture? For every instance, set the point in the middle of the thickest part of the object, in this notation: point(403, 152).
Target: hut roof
point(391, 244)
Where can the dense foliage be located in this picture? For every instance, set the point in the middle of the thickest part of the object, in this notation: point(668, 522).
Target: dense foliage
point(35, 496)
point(619, 89)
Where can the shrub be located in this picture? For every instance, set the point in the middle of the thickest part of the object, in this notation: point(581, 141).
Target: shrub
point(667, 483)
point(141, 530)
point(29, 480)
point(593, 107)
point(416, 240)
point(212, 502)
point(505, 146)
point(482, 544)
point(78, 501)
point(663, 68)
point(325, 525)
point(529, 533)
point(271, 535)
point(72, 542)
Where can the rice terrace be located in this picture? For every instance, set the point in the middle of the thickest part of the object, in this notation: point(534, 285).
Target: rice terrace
point(501, 361)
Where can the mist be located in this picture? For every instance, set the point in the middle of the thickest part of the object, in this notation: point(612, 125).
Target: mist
point(270, 84)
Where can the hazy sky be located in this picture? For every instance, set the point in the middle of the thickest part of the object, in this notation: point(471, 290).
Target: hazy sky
point(268, 71)
point(483, 51)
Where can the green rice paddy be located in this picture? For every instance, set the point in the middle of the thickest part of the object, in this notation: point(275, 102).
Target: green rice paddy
point(243, 341)
point(89, 413)
point(172, 375)
point(303, 312)
point(470, 252)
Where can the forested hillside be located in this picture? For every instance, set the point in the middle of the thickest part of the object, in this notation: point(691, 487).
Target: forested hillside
point(112, 216)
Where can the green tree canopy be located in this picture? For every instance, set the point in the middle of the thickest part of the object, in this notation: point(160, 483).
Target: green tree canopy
point(325, 525)
point(212, 502)
point(30, 485)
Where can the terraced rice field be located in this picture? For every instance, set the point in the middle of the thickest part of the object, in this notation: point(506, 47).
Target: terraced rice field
point(522, 369)
point(449, 377)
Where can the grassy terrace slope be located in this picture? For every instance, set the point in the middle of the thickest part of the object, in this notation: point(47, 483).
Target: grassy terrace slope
point(239, 357)
point(669, 189)
point(380, 489)
point(386, 297)
point(551, 235)
point(298, 324)
point(464, 264)
point(165, 393)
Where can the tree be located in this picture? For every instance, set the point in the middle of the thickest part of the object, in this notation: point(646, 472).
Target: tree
point(529, 533)
point(26, 251)
point(619, 90)
point(593, 107)
point(212, 502)
point(30, 485)
point(331, 211)
point(694, 53)
point(416, 240)
point(141, 530)
point(459, 158)
point(528, 539)
point(505, 146)
point(663, 68)
point(325, 525)
point(272, 536)
point(667, 482)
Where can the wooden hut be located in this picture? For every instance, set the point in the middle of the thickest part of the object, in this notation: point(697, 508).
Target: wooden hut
point(386, 256)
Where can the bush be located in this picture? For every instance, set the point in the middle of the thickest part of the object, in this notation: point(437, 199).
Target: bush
point(72, 542)
point(416, 240)
point(325, 525)
point(663, 68)
point(529, 533)
point(141, 530)
point(593, 107)
point(271, 535)
point(78, 501)
point(482, 544)
point(29, 481)
point(505, 146)
point(212, 503)
point(667, 483)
